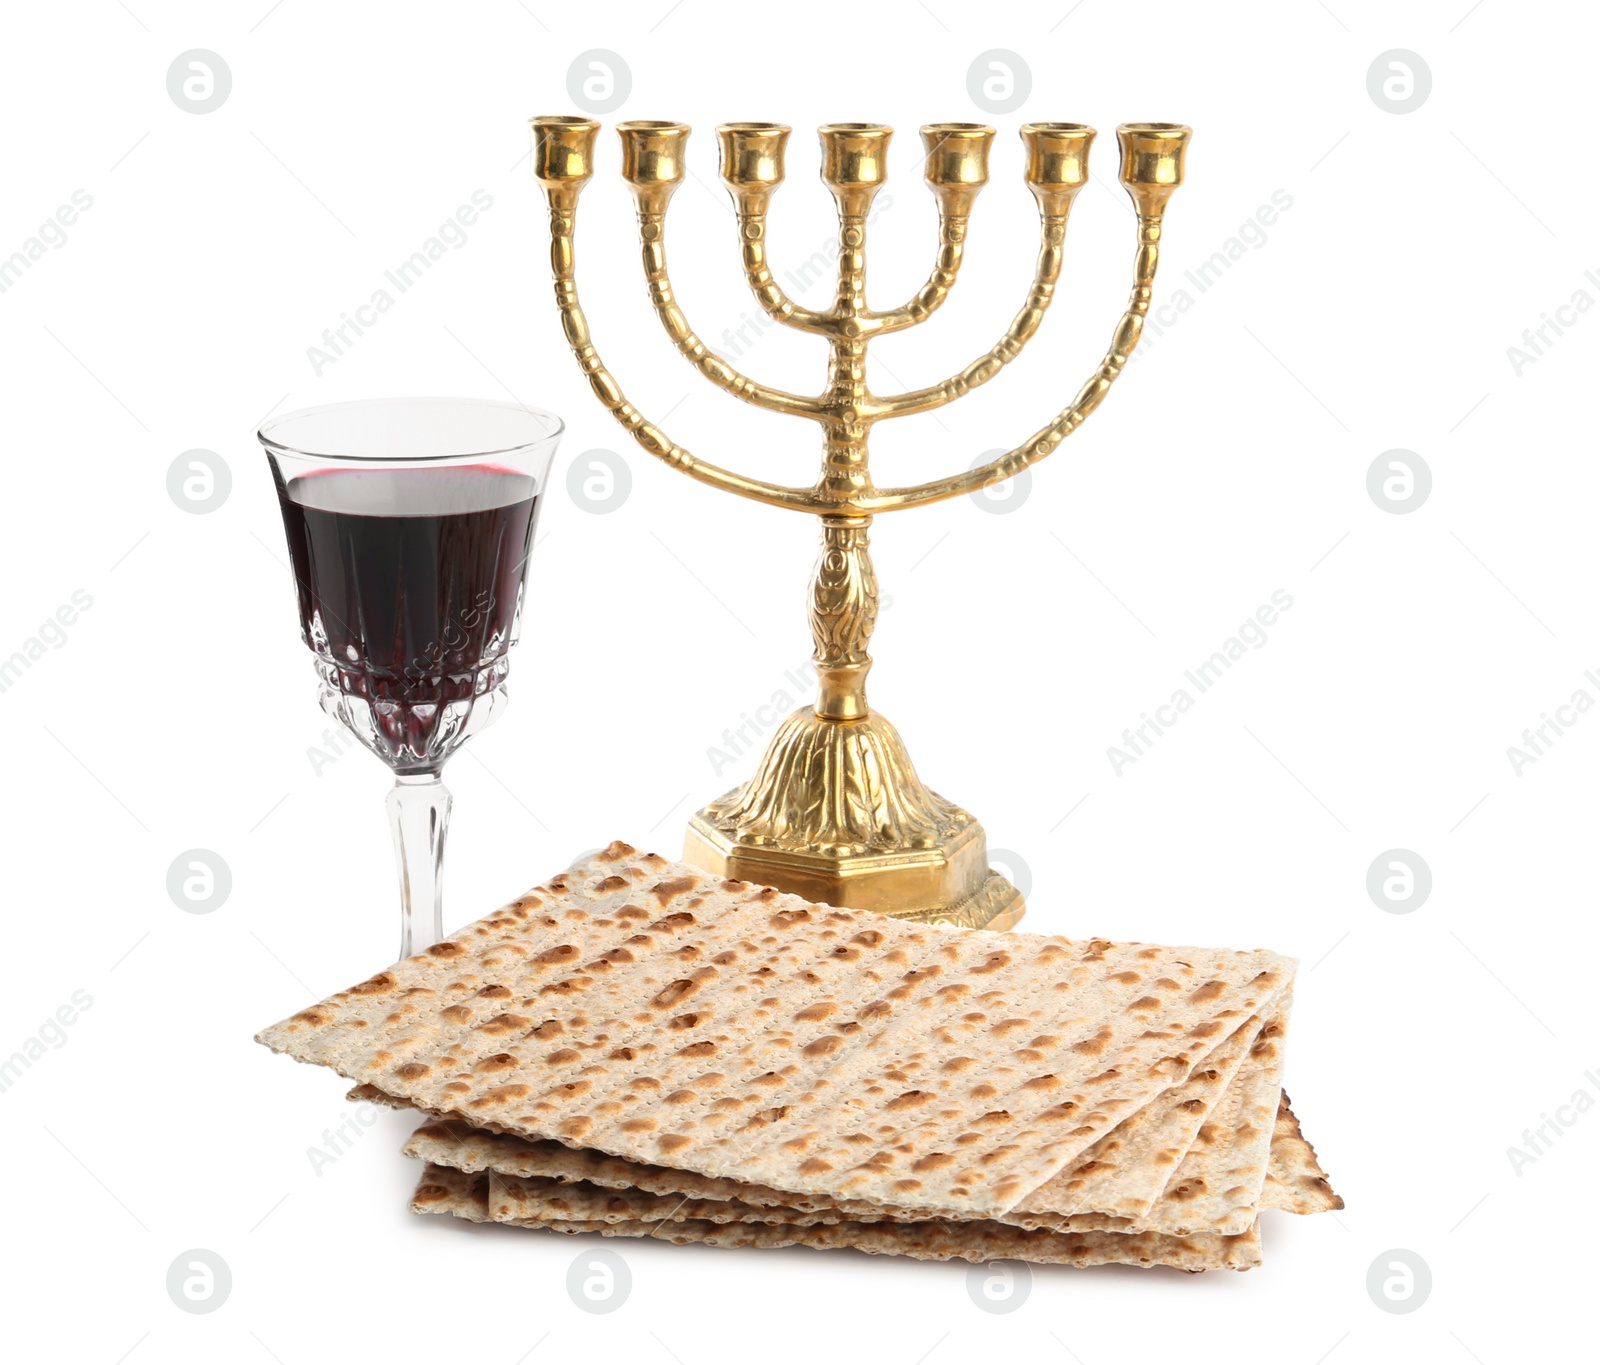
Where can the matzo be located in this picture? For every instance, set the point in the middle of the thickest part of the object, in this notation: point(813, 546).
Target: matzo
point(1125, 1172)
point(443, 1190)
point(1164, 1129)
point(1294, 1179)
point(739, 1032)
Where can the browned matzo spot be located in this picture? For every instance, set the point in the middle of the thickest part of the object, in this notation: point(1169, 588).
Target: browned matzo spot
point(446, 949)
point(500, 1094)
point(668, 923)
point(664, 891)
point(678, 990)
point(1093, 1047)
point(376, 985)
point(503, 1023)
point(562, 952)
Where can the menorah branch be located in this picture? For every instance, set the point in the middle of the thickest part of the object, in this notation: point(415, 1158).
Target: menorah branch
point(652, 241)
point(768, 292)
point(609, 392)
point(1045, 441)
point(1041, 294)
point(930, 298)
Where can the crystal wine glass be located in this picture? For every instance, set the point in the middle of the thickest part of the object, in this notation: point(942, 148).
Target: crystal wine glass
point(410, 522)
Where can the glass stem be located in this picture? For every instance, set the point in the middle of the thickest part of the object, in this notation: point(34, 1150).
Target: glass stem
point(419, 817)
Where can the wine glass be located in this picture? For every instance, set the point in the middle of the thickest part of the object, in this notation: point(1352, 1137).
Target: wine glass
point(410, 522)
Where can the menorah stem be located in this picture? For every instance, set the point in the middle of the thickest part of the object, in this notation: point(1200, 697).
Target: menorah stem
point(851, 299)
point(844, 610)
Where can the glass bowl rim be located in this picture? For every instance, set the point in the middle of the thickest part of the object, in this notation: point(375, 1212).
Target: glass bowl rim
point(555, 428)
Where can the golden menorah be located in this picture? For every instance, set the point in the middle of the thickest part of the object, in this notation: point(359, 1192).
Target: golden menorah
point(835, 810)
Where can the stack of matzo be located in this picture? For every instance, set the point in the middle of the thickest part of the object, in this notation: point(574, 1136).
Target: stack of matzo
point(638, 1048)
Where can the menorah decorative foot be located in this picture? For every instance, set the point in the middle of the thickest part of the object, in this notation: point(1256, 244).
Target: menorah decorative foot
point(835, 810)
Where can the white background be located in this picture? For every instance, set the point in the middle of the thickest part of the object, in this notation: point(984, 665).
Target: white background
point(179, 711)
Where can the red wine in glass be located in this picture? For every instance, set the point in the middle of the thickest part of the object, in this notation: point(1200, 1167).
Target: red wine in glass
point(409, 523)
point(410, 588)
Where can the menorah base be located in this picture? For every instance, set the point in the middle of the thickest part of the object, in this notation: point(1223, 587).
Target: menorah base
point(837, 814)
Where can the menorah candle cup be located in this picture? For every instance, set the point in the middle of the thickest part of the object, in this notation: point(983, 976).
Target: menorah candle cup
point(1152, 163)
point(563, 156)
point(752, 162)
point(652, 160)
point(957, 165)
point(1058, 164)
point(854, 157)
point(835, 810)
